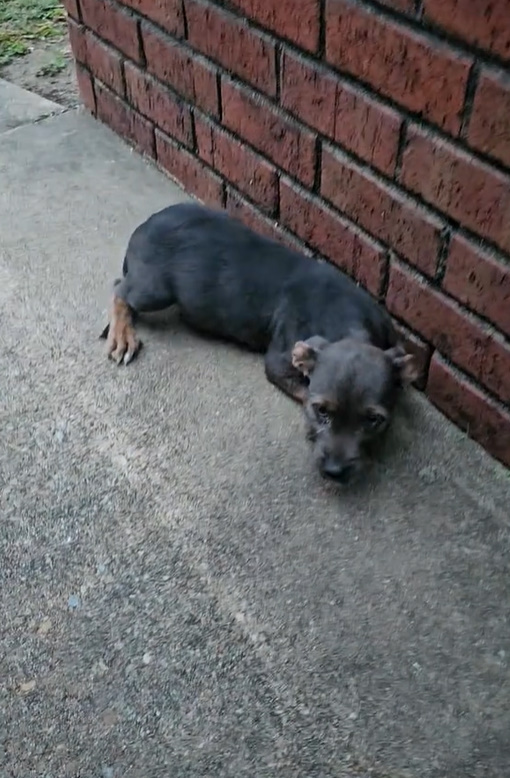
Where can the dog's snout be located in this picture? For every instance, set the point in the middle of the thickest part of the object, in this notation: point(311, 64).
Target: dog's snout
point(339, 471)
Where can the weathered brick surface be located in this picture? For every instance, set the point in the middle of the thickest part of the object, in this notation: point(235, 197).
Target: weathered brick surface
point(241, 166)
point(102, 60)
point(125, 121)
point(437, 318)
point(177, 66)
point(426, 78)
point(115, 25)
point(77, 40)
point(458, 336)
point(479, 280)
point(472, 409)
point(227, 40)
point(192, 174)
point(73, 9)
point(489, 128)
point(86, 87)
point(483, 23)
point(241, 209)
point(168, 14)
point(342, 112)
point(496, 369)
point(159, 105)
point(336, 238)
point(256, 121)
point(281, 16)
point(378, 137)
point(381, 210)
point(461, 186)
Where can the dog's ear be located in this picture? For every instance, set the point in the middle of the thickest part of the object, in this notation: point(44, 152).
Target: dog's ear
point(304, 353)
point(404, 364)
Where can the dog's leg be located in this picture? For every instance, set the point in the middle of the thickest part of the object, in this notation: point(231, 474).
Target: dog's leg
point(143, 293)
point(122, 344)
point(281, 373)
point(104, 333)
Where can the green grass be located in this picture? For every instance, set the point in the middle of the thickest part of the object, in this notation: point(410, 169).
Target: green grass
point(22, 22)
point(54, 66)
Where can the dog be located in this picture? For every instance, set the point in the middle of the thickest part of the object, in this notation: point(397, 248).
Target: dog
point(327, 343)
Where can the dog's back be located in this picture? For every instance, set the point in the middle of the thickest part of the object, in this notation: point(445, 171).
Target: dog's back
point(232, 282)
point(225, 278)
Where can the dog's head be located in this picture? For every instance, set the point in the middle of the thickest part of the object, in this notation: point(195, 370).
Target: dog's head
point(353, 387)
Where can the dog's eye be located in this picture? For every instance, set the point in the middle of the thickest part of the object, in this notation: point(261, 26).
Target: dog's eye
point(374, 421)
point(322, 414)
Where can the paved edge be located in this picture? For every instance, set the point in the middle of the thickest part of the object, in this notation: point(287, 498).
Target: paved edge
point(19, 106)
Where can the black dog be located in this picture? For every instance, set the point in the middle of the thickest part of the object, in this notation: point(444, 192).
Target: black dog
point(327, 344)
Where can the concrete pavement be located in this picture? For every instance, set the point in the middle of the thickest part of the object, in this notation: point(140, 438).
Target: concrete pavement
point(18, 107)
point(181, 595)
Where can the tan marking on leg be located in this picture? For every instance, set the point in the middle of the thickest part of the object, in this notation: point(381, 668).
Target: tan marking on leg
point(122, 343)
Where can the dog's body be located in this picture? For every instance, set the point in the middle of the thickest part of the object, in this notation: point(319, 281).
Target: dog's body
point(327, 343)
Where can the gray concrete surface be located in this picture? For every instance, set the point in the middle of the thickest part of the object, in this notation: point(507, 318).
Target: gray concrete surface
point(17, 106)
point(181, 595)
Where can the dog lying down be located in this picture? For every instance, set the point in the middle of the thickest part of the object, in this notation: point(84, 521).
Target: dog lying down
point(327, 343)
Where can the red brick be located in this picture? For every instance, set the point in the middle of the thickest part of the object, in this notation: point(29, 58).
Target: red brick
point(158, 104)
point(468, 190)
point(124, 121)
point(103, 61)
point(192, 174)
point(110, 22)
point(481, 22)
point(332, 236)
point(184, 71)
point(168, 14)
point(77, 40)
point(434, 316)
point(72, 8)
point(477, 279)
point(425, 77)
point(240, 209)
point(86, 88)
point(309, 92)
point(247, 170)
point(420, 350)
point(381, 210)
point(259, 123)
point(468, 406)
point(489, 128)
point(451, 329)
point(228, 40)
point(342, 112)
point(496, 368)
point(281, 16)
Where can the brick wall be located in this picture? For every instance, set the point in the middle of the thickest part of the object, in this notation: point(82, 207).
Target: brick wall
point(375, 133)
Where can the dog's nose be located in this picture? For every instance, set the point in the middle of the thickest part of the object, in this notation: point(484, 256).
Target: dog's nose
point(339, 471)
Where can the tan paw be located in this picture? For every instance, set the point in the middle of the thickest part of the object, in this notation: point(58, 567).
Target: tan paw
point(122, 344)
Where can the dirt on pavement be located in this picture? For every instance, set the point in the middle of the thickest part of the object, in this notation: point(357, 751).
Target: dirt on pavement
point(35, 71)
point(34, 49)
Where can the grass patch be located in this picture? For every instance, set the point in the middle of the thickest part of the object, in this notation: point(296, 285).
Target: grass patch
point(53, 67)
point(22, 22)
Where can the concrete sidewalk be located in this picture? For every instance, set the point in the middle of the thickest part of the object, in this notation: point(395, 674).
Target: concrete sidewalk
point(181, 594)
